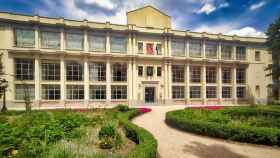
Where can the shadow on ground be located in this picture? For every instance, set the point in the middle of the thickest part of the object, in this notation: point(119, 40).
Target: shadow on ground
point(211, 151)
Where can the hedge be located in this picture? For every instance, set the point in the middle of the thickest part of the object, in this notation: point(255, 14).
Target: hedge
point(242, 133)
point(146, 144)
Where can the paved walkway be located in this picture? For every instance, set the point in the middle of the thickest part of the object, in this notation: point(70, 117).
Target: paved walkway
point(173, 143)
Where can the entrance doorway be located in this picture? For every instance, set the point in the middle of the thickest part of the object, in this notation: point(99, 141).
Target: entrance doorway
point(149, 94)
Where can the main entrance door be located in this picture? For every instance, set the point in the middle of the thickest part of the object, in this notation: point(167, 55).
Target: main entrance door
point(149, 94)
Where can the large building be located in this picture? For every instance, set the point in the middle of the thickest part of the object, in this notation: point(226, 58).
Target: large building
point(66, 63)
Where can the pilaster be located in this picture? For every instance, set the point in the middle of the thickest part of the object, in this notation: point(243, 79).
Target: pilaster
point(62, 38)
point(187, 80)
point(108, 46)
point(130, 83)
point(204, 84)
point(220, 83)
point(37, 80)
point(86, 82)
point(36, 37)
point(86, 46)
point(108, 81)
point(62, 80)
point(234, 97)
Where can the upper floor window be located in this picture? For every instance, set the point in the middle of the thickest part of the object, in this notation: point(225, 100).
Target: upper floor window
point(150, 48)
point(50, 70)
point(195, 74)
point(211, 49)
point(195, 48)
point(211, 75)
point(74, 71)
point(119, 72)
point(178, 74)
point(240, 53)
point(158, 71)
point(258, 56)
point(178, 47)
point(97, 42)
point(24, 69)
point(150, 71)
point(240, 75)
point(227, 51)
point(97, 71)
point(140, 47)
point(50, 39)
point(74, 41)
point(25, 37)
point(158, 49)
point(118, 44)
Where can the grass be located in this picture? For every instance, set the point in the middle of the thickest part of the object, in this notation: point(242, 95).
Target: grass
point(258, 124)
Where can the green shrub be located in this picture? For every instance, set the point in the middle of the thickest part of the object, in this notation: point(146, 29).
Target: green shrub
point(122, 108)
point(107, 131)
point(106, 144)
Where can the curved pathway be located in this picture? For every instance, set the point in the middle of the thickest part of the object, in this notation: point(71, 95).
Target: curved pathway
point(173, 143)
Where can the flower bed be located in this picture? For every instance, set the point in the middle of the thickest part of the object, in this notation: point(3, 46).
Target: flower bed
point(245, 124)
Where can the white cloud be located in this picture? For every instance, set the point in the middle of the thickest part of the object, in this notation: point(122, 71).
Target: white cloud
point(207, 9)
point(224, 5)
point(247, 31)
point(217, 28)
point(107, 4)
point(257, 5)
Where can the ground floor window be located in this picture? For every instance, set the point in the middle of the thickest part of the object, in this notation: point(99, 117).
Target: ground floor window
point(195, 74)
point(195, 91)
point(178, 92)
point(98, 92)
point(211, 92)
point(240, 92)
point(24, 91)
point(226, 92)
point(75, 92)
point(118, 92)
point(51, 92)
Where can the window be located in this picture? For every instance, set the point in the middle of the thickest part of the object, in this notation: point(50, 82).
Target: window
point(74, 41)
point(74, 71)
point(195, 91)
point(227, 51)
point(178, 74)
point(50, 70)
point(25, 37)
point(178, 47)
point(140, 70)
point(24, 69)
point(97, 42)
point(50, 39)
point(158, 71)
point(118, 92)
point(97, 92)
point(178, 92)
point(140, 47)
point(226, 92)
point(119, 72)
point(226, 75)
point(150, 71)
point(51, 92)
point(240, 92)
point(158, 49)
point(97, 71)
point(150, 48)
point(240, 75)
point(75, 92)
point(211, 49)
point(118, 44)
point(211, 75)
point(211, 92)
point(258, 56)
point(195, 48)
point(195, 74)
point(240, 53)
point(24, 91)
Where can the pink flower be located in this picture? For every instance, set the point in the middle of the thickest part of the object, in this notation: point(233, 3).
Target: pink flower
point(144, 110)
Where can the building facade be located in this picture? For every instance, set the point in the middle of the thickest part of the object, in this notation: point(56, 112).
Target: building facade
point(58, 62)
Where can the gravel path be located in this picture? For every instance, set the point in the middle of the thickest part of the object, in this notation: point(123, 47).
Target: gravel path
point(173, 143)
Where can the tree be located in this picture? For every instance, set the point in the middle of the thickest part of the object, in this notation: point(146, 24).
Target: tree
point(3, 86)
point(273, 44)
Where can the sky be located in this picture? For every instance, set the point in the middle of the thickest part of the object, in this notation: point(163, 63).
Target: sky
point(240, 17)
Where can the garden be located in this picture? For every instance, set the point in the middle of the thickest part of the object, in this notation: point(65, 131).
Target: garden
point(86, 133)
point(251, 124)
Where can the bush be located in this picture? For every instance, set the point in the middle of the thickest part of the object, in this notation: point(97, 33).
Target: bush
point(107, 131)
point(123, 108)
point(236, 124)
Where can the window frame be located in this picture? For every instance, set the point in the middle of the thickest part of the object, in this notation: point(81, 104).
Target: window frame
point(226, 75)
point(176, 49)
point(116, 89)
point(178, 73)
point(29, 76)
point(211, 74)
point(195, 92)
point(77, 71)
point(77, 92)
point(75, 33)
point(209, 53)
point(194, 50)
point(48, 46)
point(159, 71)
point(140, 70)
point(226, 92)
point(121, 74)
point(149, 71)
point(226, 51)
point(178, 92)
point(98, 92)
point(239, 78)
point(211, 92)
point(238, 92)
point(113, 44)
point(241, 55)
point(97, 71)
point(194, 76)
point(48, 74)
point(24, 45)
point(30, 88)
point(47, 88)
point(92, 36)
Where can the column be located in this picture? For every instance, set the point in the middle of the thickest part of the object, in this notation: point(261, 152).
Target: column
point(62, 81)
point(165, 46)
point(220, 79)
point(204, 84)
point(203, 49)
point(187, 48)
point(129, 44)
point(86, 82)
point(134, 82)
point(108, 46)
point(37, 40)
point(234, 53)
point(169, 81)
point(86, 46)
point(134, 44)
point(234, 97)
point(108, 81)
point(220, 50)
point(37, 80)
point(187, 79)
point(62, 39)
point(130, 93)
point(165, 82)
point(169, 47)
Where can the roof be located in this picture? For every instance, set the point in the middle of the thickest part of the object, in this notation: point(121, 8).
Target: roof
point(148, 6)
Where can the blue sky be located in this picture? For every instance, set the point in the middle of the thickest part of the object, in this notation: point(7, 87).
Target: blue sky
point(241, 17)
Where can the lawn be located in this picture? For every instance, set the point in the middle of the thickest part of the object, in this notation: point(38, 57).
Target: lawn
point(95, 133)
point(253, 124)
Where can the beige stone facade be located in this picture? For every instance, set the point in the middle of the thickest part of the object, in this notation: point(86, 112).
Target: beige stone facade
point(68, 63)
